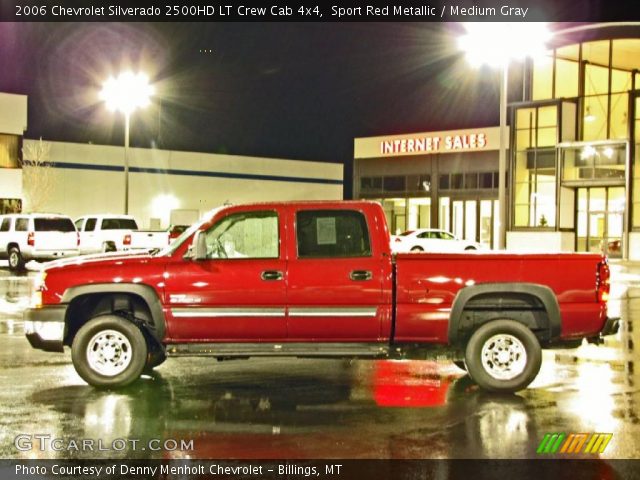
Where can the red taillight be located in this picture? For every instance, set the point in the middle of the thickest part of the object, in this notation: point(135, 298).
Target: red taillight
point(127, 240)
point(603, 286)
point(31, 239)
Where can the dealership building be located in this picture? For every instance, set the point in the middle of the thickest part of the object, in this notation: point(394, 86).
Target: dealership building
point(573, 180)
point(79, 179)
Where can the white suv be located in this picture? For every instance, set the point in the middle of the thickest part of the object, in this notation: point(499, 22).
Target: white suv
point(36, 236)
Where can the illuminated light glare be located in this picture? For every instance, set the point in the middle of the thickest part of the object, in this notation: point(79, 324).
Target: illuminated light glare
point(127, 92)
point(162, 205)
point(438, 279)
point(608, 152)
point(589, 117)
point(496, 43)
point(587, 152)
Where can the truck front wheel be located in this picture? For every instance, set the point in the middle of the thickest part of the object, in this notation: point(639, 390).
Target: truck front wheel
point(503, 356)
point(109, 351)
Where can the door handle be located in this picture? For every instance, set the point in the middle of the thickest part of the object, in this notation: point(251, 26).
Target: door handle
point(360, 275)
point(271, 275)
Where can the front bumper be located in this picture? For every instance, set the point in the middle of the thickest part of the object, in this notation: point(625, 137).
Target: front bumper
point(44, 327)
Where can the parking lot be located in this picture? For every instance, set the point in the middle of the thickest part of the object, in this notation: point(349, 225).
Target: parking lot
point(292, 408)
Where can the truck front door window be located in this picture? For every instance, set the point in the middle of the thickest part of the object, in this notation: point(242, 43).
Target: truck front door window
point(244, 235)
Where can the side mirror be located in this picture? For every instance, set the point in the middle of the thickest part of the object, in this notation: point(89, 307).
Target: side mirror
point(198, 248)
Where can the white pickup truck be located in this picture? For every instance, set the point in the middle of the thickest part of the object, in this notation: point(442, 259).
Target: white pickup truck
point(110, 233)
point(36, 236)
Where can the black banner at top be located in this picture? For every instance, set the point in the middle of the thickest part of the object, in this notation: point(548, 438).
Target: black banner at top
point(315, 11)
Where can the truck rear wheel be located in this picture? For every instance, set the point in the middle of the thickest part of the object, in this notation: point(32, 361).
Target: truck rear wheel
point(16, 260)
point(109, 351)
point(503, 356)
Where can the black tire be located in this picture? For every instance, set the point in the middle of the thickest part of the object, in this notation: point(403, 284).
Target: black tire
point(155, 357)
point(508, 339)
point(16, 260)
point(108, 247)
point(470, 248)
point(417, 249)
point(120, 339)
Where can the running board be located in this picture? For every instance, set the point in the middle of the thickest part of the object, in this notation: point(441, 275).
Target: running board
point(370, 350)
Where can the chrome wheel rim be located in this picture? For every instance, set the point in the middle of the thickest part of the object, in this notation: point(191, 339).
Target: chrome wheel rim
point(109, 353)
point(504, 356)
point(13, 259)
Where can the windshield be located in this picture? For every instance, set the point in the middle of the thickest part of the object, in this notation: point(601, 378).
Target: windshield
point(176, 243)
point(54, 224)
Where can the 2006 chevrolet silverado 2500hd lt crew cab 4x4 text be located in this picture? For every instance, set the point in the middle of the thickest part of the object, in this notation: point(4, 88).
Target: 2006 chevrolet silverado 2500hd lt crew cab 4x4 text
point(315, 279)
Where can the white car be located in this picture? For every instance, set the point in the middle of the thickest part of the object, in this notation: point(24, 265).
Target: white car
point(431, 240)
point(110, 233)
point(36, 236)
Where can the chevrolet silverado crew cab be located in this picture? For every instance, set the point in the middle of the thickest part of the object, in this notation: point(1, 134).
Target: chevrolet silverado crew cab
point(36, 236)
point(315, 279)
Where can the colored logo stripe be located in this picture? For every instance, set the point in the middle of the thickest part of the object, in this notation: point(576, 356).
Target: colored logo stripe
point(574, 443)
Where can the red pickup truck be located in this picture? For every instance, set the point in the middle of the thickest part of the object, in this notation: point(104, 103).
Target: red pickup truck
point(316, 279)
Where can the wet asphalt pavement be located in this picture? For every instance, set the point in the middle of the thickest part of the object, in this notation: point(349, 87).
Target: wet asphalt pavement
point(291, 408)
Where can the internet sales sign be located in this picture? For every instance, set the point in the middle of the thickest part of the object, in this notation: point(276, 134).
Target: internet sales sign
point(473, 141)
point(452, 141)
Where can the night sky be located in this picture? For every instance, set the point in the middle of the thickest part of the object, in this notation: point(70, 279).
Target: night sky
point(288, 90)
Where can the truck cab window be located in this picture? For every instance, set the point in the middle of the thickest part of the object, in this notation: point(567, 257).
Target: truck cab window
point(90, 226)
point(244, 235)
point(332, 233)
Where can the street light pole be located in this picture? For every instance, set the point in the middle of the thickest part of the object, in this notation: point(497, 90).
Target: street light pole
point(497, 44)
point(125, 94)
point(127, 118)
point(502, 159)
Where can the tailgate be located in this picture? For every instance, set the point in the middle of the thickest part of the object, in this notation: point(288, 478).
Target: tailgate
point(55, 240)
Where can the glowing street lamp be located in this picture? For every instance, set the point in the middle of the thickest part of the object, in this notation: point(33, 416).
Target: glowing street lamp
point(126, 93)
point(496, 44)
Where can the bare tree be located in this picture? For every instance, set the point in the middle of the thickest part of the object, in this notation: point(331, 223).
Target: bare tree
point(37, 175)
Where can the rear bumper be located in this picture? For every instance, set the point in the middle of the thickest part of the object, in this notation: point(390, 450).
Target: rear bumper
point(611, 327)
point(44, 327)
point(50, 254)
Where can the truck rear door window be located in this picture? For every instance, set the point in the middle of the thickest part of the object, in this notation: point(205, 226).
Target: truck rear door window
point(244, 235)
point(22, 224)
point(53, 225)
point(119, 224)
point(332, 233)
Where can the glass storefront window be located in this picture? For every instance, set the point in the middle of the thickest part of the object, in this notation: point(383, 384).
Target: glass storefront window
point(567, 71)
point(542, 78)
point(566, 78)
point(534, 188)
point(619, 122)
point(636, 169)
point(589, 162)
point(596, 52)
point(470, 220)
point(594, 124)
point(596, 80)
point(419, 213)
point(443, 213)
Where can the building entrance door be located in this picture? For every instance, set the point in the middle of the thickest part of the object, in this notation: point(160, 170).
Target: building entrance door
point(600, 220)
